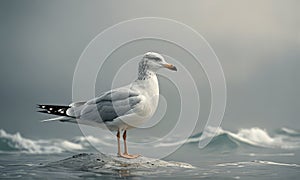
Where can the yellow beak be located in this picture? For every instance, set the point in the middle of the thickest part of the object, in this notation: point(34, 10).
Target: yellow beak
point(170, 66)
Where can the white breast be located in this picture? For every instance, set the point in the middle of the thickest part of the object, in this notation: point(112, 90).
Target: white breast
point(149, 93)
point(150, 90)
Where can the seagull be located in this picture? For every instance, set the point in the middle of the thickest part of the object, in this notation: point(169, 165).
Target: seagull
point(119, 109)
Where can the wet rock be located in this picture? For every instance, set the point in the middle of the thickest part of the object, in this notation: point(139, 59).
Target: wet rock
point(106, 163)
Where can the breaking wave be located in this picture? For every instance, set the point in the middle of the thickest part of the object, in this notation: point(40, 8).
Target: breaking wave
point(17, 143)
point(283, 138)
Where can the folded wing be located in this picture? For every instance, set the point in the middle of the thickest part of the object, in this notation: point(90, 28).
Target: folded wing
point(108, 106)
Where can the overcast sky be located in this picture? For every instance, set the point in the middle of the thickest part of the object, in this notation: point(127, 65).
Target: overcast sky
point(257, 42)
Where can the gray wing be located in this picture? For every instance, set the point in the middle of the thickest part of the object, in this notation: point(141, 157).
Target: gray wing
point(109, 106)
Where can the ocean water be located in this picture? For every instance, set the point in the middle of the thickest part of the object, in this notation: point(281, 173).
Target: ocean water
point(252, 153)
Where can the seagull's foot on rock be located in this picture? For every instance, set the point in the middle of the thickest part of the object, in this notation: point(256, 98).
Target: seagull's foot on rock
point(129, 156)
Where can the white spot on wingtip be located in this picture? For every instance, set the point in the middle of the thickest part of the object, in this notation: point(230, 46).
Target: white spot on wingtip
point(50, 109)
point(43, 106)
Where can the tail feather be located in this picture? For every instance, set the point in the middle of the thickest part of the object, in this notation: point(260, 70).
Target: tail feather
point(61, 118)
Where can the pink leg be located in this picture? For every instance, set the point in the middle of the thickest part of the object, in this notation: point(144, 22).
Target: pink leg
point(119, 148)
point(126, 155)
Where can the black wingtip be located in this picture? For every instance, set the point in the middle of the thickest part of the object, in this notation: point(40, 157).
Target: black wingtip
point(59, 110)
point(39, 106)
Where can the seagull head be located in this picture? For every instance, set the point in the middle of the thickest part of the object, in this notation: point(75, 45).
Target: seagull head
point(155, 61)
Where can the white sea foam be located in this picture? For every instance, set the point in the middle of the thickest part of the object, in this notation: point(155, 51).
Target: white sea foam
point(270, 154)
point(18, 143)
point(277, 163)
point(260, 137)
point(253, 163)
point(290, 131)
